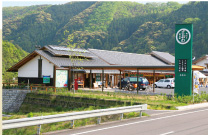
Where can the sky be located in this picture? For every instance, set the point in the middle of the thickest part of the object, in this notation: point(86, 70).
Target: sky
point(12, 3)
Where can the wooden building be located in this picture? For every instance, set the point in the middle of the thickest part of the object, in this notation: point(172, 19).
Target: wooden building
point(56, 64)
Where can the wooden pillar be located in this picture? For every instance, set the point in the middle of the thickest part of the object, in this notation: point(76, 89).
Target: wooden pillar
point(102, 79)
point(111, 80)
point(54, 76)
point(120, 80)
point(153, 80)
point(106, 80)
point(90, 79)
point(114, 80)
point(69, 78)
point(137, 81)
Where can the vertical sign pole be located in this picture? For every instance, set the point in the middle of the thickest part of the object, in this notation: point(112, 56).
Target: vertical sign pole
point(137, 81)
point(183, 59)
point(192, 86)
point(120, 80)
point(90, 79)
point(102, 79)
point(54, 76)
point(69, 78)
point(153, 81)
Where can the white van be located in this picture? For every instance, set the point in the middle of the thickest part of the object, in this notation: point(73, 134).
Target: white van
point(169, 83)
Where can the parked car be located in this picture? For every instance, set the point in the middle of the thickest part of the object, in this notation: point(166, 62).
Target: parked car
point(169, 83)
point(130, 83)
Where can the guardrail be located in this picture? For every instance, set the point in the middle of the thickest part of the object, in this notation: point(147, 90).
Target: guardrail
point(24, 122)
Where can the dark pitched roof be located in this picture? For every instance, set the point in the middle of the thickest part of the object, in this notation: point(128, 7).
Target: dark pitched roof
point(200, 59)
point(166, 57)
point(59, 61)
point(65, 62)
point(15, 67)
point(58, 55)
point(65, 51)
point(130, 59)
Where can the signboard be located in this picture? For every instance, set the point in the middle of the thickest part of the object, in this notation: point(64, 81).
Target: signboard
point(61, 78)
point(46, 79)
point(182, 65)
point(98, 77)
point(183, 59)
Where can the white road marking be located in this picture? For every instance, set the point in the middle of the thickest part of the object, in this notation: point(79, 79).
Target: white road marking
point(138, 122)
point(167, 133)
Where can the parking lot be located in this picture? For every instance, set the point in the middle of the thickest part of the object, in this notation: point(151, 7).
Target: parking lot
point(160, 91)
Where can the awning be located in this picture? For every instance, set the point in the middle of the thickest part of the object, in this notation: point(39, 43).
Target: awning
point(200, 75)
point(196, 67)
point(78, 70)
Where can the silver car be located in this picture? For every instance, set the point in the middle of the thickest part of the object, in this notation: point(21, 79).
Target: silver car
point(169, 83)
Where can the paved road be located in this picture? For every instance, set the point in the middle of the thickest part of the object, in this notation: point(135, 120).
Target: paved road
point(191, 122)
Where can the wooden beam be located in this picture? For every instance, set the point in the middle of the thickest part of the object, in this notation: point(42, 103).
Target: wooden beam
point(102, 79)
point(69, 78)
point(120, 79)
point(154, 81)
point(90, 79)
point(106, 78)
point(137, 81)
point(54, 76)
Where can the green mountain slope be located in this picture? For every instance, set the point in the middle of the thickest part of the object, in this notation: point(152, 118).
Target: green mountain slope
point(11, 55)
point(123, 26)
point(40, 28)
point(117, 22)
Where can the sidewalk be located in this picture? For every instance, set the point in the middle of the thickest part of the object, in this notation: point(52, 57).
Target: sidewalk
point(193, 106)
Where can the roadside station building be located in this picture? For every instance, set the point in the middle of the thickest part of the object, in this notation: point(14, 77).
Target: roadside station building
point(203, 61)
point(54, 66)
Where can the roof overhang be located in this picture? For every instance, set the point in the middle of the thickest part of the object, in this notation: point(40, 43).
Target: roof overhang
point(200, 59)
point(197, 67)
point(22, 62)
point(123, 68)
point(29, 57)
point(161, 58)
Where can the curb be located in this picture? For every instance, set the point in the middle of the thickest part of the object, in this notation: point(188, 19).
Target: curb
point(194, 106)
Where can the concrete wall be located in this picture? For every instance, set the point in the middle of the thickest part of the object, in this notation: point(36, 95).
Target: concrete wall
point(13, 99)
point(30, 69)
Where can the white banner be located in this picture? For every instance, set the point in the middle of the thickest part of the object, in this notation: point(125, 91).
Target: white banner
point(196, 82)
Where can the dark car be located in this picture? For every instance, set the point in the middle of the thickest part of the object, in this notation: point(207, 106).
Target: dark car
point(130, 83)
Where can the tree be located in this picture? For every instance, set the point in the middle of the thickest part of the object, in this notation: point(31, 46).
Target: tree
point(11, 55)
point(75, 56)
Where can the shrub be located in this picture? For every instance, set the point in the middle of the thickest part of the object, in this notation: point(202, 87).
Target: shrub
point(30, 114)
point(59, 109)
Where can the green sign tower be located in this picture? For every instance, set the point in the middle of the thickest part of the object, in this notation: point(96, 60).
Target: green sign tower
point(183, 59)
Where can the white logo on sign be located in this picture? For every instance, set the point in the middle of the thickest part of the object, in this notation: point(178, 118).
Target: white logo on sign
point(183, 36)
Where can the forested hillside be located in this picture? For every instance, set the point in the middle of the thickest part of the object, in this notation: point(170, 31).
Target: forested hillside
point(11, 55)
point(121, 26)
